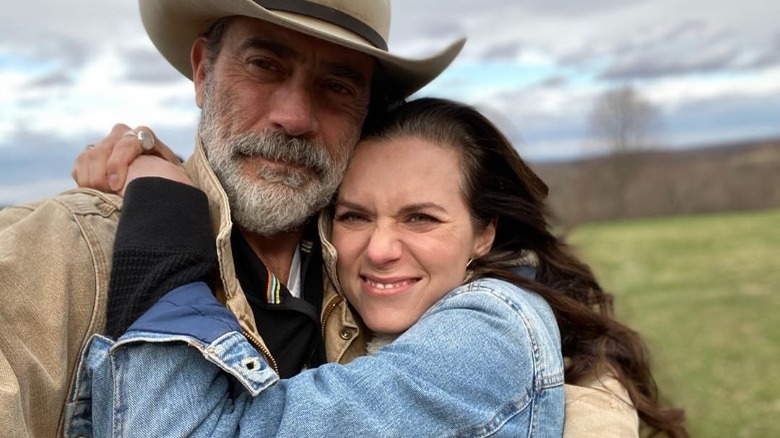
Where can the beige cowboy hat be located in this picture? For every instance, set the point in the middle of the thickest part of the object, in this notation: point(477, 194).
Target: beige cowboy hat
point(361, 25)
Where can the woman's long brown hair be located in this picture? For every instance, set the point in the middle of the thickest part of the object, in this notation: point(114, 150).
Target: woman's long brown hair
point(499, 186)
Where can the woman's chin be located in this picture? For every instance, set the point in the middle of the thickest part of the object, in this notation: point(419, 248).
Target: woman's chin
point(387, 328)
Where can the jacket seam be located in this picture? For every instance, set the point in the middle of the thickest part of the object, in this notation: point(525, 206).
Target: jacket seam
point(101, 269)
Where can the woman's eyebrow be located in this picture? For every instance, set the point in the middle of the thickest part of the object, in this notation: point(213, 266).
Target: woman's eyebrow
point(348, 204)
point(412, 208)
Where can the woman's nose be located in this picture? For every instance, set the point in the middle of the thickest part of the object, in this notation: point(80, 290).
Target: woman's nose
point(384, 246)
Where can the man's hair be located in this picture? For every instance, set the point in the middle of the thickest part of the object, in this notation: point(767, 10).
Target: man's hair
point(214, 38)
point(383, 98)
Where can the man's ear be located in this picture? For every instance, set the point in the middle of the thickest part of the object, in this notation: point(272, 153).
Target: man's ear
point(484, 239)
point(199, 57)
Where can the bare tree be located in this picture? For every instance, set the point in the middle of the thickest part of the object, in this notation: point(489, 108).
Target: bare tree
point(623, 122)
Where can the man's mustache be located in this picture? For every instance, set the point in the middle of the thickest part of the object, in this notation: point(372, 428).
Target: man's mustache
point(280, 147)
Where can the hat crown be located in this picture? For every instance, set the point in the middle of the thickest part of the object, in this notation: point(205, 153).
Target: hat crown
point(360, 25)
point(368, 18)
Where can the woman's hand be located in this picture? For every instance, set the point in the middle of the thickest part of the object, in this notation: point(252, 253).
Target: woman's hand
point(110, 164)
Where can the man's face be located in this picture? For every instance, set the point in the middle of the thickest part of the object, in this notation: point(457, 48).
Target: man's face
point(281, 114)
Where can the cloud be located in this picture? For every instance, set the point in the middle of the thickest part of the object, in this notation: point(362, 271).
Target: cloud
point(504, 51)
point(723, 118)
point(145, 65)
point(70, 70)
point(34, 164)
point(689, 48)
point(53, 79)
point(569, 9)
point(553, 81)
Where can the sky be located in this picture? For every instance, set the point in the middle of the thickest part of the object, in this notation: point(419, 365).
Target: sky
point(70, 70)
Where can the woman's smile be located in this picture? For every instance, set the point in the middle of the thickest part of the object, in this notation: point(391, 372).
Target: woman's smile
point(387, 286)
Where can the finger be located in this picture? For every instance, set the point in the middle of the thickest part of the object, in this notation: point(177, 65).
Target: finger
point(159, 148)
point(116, 133)
point(126, 149)
point(89, 169)
point(97, 169)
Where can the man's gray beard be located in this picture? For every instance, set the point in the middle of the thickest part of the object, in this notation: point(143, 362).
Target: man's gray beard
point(276, 200)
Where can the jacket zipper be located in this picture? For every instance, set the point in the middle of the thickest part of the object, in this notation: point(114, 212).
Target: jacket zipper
point(328, 310)
point(260, 347)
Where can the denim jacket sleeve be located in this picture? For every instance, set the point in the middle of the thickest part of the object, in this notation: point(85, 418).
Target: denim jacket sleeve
point(483, 361)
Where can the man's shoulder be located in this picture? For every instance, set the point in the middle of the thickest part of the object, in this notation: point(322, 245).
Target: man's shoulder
point(78, 201)
point(89, 213)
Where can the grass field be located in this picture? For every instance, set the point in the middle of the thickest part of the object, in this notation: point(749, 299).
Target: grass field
point(703, 290)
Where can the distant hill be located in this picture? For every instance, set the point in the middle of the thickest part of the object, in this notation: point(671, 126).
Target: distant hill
point(738, 176)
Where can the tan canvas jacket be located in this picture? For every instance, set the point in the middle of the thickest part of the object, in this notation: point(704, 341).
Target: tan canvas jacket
point(55, 258)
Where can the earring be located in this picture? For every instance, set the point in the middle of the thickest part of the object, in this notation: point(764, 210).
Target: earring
point(469, 272)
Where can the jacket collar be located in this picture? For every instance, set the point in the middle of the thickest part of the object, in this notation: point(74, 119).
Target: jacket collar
point(329, 256)
point(228, 289)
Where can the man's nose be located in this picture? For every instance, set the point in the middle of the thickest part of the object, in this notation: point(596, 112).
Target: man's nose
point(293, 109)
point(384, 246)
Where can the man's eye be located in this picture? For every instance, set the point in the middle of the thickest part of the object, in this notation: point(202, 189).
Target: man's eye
point(340, 88)
point(265, 64)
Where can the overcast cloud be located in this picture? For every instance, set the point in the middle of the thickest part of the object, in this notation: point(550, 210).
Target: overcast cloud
point(70, 70)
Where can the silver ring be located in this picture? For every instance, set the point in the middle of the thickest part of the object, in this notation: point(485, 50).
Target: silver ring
point(89, 146)
point(146, 139)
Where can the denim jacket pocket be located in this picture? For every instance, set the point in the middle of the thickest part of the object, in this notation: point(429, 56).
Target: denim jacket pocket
point(78, 406)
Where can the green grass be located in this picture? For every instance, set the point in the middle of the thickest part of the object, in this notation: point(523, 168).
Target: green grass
point(703, 291)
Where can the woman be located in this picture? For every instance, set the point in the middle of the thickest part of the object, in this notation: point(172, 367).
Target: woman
point(465, 200)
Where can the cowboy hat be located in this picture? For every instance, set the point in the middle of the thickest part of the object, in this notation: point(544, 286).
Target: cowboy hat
point(361, 25)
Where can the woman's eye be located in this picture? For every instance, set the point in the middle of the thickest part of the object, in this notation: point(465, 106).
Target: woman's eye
point(350, 217)
point(422, 218)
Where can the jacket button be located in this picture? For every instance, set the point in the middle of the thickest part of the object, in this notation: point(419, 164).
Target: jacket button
point(346, 334)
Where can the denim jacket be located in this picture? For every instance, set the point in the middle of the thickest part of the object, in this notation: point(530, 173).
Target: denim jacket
point(483, 361)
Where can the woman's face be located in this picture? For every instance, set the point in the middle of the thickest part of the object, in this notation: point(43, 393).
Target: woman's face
point(402, 230)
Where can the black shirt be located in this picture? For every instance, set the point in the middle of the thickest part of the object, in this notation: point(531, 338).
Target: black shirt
point(290, 326)
point(165, 240)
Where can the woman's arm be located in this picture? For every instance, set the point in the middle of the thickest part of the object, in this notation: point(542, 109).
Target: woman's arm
point(163, 240)
point(479, 362)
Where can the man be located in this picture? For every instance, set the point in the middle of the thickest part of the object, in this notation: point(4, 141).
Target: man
point(285, 87)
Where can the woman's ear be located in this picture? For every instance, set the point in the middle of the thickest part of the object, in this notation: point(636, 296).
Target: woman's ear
point(484, 239)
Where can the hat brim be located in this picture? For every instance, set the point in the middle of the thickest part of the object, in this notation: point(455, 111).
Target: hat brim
point(173, 26)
